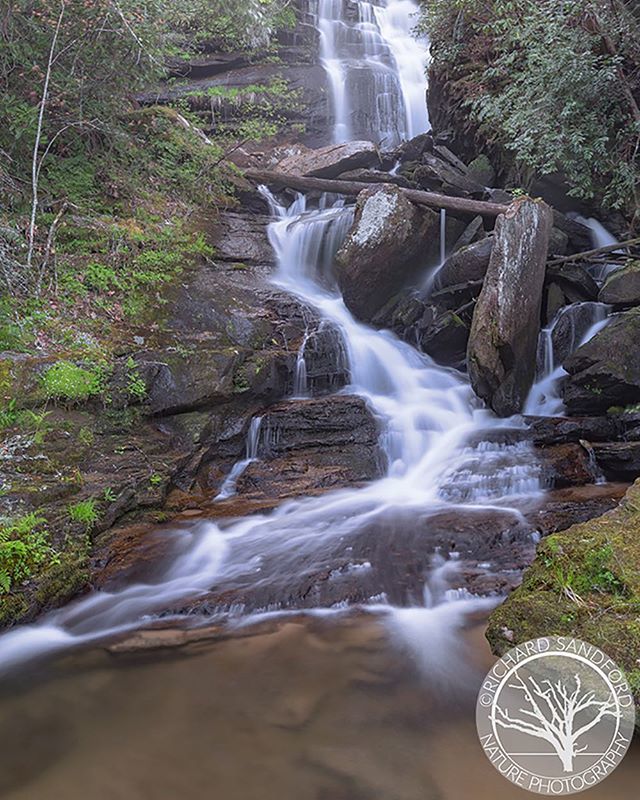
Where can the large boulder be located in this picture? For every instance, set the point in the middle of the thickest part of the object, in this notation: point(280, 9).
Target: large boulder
point(331, 161)
point(576, 283)
point(605, 371)
point(506, 321)
point(390, 239)
point(467, 264)
point(623, 287)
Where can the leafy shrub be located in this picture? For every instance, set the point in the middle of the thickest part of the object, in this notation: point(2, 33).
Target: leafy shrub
point(24, 547)
point(551, 82)
point(136, 386)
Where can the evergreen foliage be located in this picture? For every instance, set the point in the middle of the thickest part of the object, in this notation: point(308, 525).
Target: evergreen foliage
point(555, 82)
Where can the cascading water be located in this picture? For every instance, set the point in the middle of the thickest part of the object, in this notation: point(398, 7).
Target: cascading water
point(572, 327)
point(375, 69)
point(600, 237)
point(228, 488)
point(426, 413)
point(301, 378)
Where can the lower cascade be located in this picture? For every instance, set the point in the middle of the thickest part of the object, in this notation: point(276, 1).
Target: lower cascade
point(427, 414)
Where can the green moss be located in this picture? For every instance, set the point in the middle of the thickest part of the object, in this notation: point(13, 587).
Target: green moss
point(64, 580)
point(13, 607)
point(67, 381)
point(584, 582)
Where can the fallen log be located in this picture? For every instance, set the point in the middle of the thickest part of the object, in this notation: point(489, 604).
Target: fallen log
point(460, 205)
point(599, 251)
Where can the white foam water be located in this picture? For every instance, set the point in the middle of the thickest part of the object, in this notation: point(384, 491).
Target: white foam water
point(252, 445)
point(376, 69)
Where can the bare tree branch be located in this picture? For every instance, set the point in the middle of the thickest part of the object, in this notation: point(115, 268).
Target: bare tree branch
point(36, 145)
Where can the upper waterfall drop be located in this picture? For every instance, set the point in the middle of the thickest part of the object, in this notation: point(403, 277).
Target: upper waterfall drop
point(376, 69)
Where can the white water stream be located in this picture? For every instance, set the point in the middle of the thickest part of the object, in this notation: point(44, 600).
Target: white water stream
point(375, 68)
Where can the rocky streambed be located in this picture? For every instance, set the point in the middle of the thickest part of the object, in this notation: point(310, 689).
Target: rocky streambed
point(314, 430)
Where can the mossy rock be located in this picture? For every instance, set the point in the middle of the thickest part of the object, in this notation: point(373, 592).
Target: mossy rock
point(584, 582)
point(21, 380)
point(482, 171)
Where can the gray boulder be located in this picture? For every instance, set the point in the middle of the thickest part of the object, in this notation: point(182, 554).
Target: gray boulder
point(331, 161)
point(467, 264)
point(623, 287)
point(605, 371)
point(390, 240)
point(506, 322)
point(576, 283)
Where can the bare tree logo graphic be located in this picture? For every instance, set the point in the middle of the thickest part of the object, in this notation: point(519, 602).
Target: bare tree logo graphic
point(556, 714)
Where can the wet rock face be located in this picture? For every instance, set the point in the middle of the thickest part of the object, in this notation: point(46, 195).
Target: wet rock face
point(467, 264)
point(623, 287)
point(390, 239)
point(559, 430)
point(331, 161)
point(506, 321)
point(242, 238)
point(313, 445)
point(605, 371)
point(619, 461)
point(574, 281)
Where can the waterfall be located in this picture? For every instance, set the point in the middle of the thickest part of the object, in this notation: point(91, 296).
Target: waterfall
point(572, 327)
point(375, 68)
point(228, 488)
point(301, 379)
point(427, 414)
point(600, 237)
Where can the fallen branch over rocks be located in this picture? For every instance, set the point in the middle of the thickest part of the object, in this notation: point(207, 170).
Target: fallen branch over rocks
point(599, 251)
point(457, 205)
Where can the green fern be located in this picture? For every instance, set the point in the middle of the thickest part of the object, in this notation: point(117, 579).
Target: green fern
point(24, 548)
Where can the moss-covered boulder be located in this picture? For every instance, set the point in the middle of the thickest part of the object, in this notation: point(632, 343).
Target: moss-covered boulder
point(584, 582)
